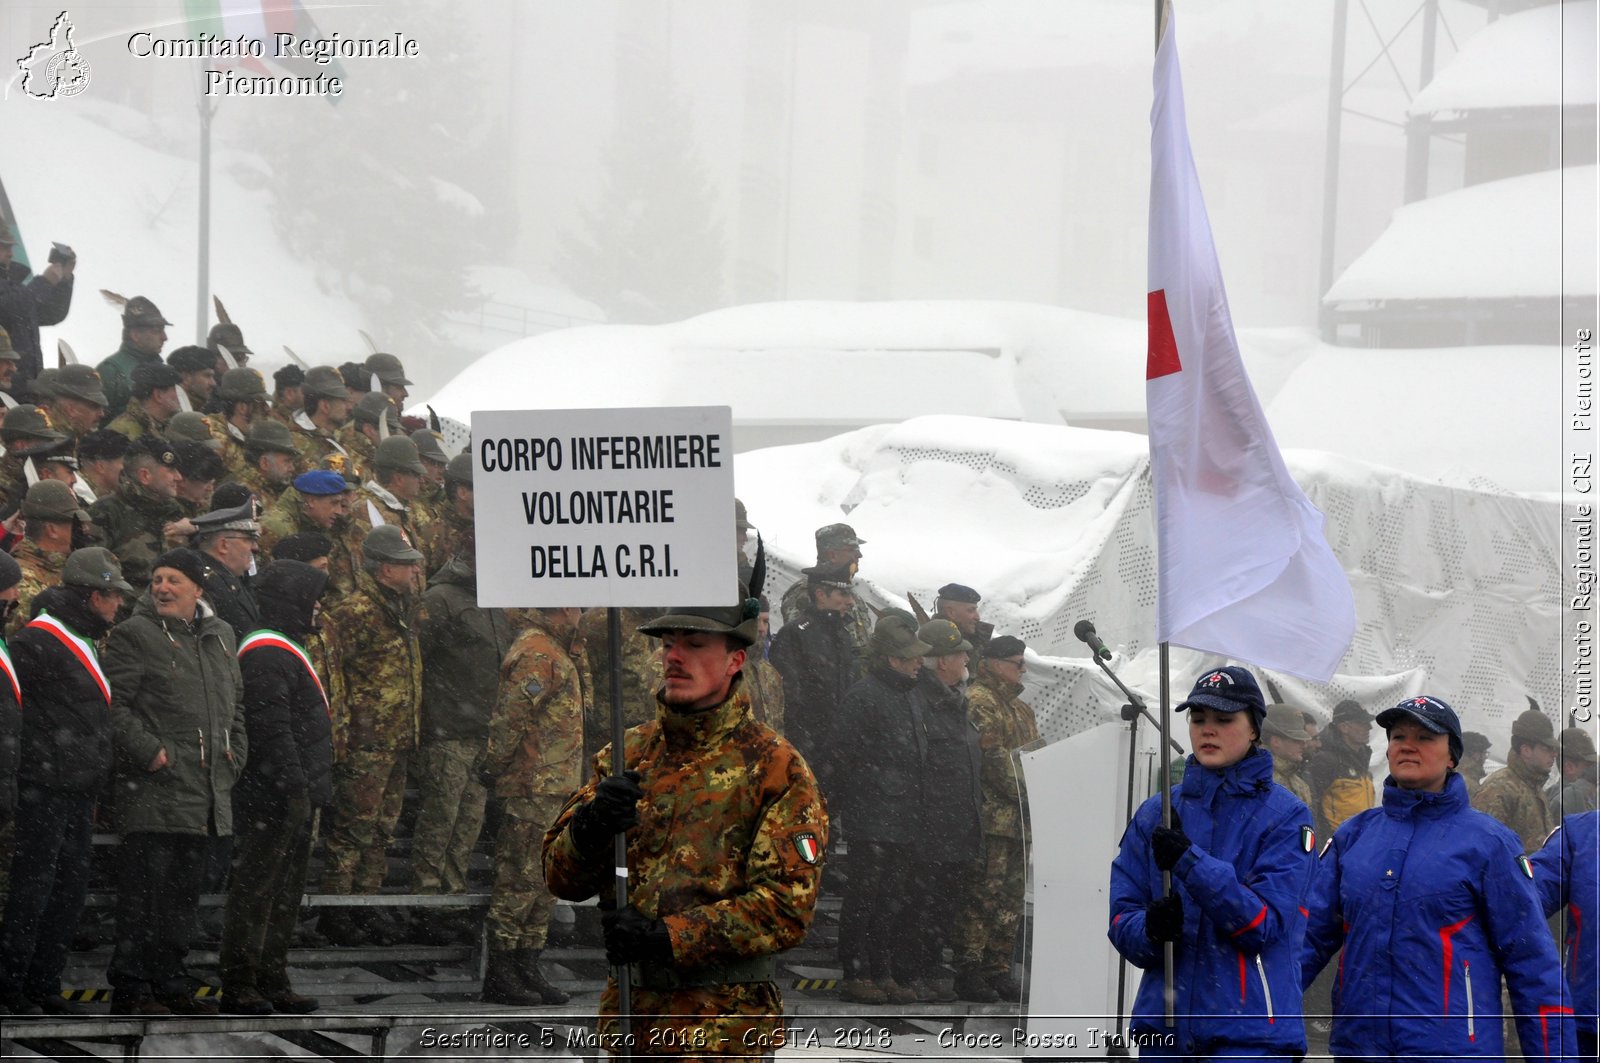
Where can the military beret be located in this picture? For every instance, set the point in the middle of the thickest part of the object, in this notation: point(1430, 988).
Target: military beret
point(154, 447)
point(80, 382)
point(956, 592)
point(319, 482)
point(192, 359)
point(1003, 646)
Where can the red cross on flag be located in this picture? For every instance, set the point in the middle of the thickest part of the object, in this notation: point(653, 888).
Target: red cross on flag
point(1244, 569)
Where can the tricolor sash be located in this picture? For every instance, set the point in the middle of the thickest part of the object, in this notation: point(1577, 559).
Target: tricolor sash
point(11, 672)
point(277, 640)
point(79, 647)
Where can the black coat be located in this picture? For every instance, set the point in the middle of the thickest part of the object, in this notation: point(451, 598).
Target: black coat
point(817, 660)
point(66, 719)
point(953, 797)
point(291, 735)
point(875, 759)
point(232, 598)
point(24, 306)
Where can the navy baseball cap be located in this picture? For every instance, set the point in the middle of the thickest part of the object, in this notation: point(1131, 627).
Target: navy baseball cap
point(1431, 713)
point(1230, 689)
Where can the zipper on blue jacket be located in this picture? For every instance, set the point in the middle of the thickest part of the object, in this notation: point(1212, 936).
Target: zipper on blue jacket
point(1466, 969)
point(1261, 969)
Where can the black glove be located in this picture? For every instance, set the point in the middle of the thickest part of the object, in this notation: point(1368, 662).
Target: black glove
point(635, 938)
point(1163, 919)
point(614, 809)
point(1168, 844)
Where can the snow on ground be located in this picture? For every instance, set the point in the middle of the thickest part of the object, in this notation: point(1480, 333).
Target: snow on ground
point(1496, 240)
point(1543, 57)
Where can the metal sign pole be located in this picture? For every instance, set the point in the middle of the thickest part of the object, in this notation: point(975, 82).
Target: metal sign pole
point(619, 844)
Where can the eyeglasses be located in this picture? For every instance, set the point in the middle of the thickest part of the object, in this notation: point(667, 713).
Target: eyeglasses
point(1017, 662)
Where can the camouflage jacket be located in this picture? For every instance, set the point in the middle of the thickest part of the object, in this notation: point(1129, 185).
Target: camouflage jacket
point(266, 493)
point(355, 443)
point(375, 667)
point(858, 621)
point(40, 569)
point(314, 446)
point(446, 535)
point(728, 854)
point(288, 517)
point(132, 525)
point(1288, 776)
point(536, 733)
point(135, 421)
point(763, 686)
point(1513, 795)
point(1005, 723)
point(13, 482)
point(641, 676)
point(233, 456)
point(372, 506)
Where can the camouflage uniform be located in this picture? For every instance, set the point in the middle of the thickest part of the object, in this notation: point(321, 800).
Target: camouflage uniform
point(1515, 797)
point(266, 492)
point(40, 569)
point(764, 687)
point(986, 931)
point(355, 442)
point(13, 481)
point(134, 422)
point(314, 446)
point(536, 753)
point(373, 505)
point(234, 460)
point(728, 854)
point(641, 676)
point(287, 517)
point(375, 673)
point(132, 524)
point(449, 536)
point(1288, 776)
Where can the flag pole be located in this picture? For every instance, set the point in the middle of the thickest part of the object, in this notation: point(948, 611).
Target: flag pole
point(203, 242)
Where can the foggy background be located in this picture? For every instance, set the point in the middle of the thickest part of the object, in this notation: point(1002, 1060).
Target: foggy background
point(545, 164)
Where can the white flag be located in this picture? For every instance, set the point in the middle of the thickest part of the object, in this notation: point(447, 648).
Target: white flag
point(1244, 569)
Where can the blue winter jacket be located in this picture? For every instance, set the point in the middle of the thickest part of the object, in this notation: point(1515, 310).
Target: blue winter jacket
point(1433, 902)
point(1242, 882)
point(1566, 872)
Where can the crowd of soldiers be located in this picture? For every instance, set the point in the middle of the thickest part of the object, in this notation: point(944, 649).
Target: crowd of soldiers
point(245, 618)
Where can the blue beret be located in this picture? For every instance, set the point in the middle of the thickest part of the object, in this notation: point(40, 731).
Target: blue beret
point(320, 482)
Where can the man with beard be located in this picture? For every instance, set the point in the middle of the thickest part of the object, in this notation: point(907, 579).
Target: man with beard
point(375, 675)
point(316, 428)
point(726, 833)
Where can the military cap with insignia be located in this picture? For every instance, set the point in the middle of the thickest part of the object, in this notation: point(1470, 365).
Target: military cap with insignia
point(239, 518)
point(241, 385)
point(155, 447)
point(387, 368)
point(839, 577)
point(52, 500)
point(397, 454)
point(150, 377)
point(140, 312)
point(270, 436)
point(835, 536)
point(387, 542)
point(192, 359)
point(8, 353)
point(324, 382)
point(29, 422)
point(80, 382)
point(96, 568)
point(61, 452)
point(943, 638)
point(956, 592)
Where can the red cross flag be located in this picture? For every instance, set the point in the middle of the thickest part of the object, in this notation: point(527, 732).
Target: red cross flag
point(1244, 569)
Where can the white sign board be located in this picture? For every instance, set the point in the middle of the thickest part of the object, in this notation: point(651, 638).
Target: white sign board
point(604, 507)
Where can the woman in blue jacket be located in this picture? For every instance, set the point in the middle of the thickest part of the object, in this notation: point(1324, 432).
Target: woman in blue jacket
point(1433, 903)
point(1239, 850)
point(1566, 873)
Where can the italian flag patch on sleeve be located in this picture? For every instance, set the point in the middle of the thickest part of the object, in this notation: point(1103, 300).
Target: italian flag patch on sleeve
point(1527, 868)
point(805, 843)
point(1308, 840)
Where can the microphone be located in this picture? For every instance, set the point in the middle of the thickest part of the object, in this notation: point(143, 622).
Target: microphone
point(1084, 630)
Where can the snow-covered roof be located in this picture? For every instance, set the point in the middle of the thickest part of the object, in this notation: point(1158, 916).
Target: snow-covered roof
point(1544, 57)
point(1497, 240)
